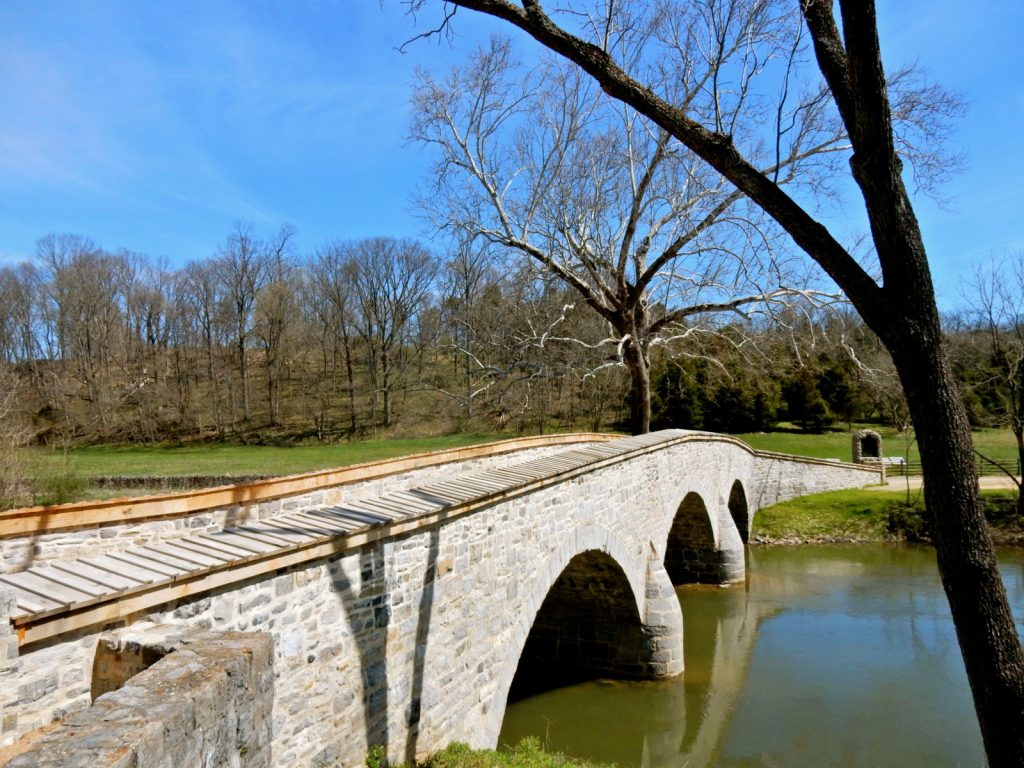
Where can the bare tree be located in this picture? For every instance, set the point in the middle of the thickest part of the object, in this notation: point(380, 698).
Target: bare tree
point(997, 299)
point(18, 316)
point(393, 282)
point(82, 284)
point(900, 308)
point(333, 290)
point(467, 278)
point(650, 238)
point(276, 313)
point(14, 434)
point(203, 306)
point(243, 268)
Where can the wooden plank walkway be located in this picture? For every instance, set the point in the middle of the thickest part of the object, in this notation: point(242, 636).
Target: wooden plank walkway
point(69, 587)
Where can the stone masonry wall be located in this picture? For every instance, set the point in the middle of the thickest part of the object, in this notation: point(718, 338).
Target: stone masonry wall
point(414, 642)
point(206, 703)
point(18, 553)
point(784, 478)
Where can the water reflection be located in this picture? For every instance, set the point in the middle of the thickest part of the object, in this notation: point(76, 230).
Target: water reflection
point(826, 656)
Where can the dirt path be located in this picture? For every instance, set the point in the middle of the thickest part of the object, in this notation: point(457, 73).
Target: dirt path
point(900, 484)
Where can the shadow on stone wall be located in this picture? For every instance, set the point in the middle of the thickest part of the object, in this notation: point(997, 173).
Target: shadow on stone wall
point(366, 602)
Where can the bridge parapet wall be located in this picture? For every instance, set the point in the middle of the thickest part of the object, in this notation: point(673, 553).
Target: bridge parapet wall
point(207, 701)
point(784, 477)
point(412, 641)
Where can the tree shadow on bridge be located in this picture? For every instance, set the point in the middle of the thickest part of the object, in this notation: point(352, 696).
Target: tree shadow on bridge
point(424, 614)
point(366, 602)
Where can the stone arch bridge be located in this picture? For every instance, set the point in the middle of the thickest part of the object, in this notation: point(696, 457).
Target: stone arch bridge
point(300, 621)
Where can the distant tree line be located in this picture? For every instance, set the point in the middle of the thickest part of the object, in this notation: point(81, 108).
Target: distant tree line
point(259, 342)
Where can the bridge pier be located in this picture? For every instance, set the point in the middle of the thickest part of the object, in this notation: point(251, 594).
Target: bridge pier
point(663, 623)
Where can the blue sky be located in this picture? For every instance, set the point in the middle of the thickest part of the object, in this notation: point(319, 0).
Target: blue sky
point(152, 126)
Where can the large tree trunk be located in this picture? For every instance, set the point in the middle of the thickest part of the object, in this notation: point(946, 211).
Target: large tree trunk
point(639, 389)
point(906, 318)
point(966, 557)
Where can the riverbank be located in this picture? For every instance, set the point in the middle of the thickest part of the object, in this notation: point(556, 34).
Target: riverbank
point(527, 753)
point(873, 515)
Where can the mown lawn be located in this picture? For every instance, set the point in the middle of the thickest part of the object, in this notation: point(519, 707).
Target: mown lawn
point(219, 459)
point(226, 459)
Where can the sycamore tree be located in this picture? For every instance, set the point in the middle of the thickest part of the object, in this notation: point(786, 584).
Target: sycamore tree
point(660, 246)
point(637, 53)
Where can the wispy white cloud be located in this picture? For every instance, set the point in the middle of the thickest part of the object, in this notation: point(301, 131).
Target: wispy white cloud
point(153, 125)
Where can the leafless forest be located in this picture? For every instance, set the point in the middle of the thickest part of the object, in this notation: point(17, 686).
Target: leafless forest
point(384, 336)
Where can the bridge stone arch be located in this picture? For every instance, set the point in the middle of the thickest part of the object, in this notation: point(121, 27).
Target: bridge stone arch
point(703, 545)
point(588, 626)
point(569, 634)
point(739, 509)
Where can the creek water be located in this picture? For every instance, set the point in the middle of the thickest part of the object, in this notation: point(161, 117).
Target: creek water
point(826, 656)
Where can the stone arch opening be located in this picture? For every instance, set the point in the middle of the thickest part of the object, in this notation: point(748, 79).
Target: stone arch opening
point(738, 509)
point(587, 627)
point(690, 552)
point(867, 446)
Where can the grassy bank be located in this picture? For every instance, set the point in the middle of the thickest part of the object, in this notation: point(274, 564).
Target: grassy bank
point(526, 754)
point(866, 515)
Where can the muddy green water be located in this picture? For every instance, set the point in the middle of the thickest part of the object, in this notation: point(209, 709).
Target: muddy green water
point(827, 656)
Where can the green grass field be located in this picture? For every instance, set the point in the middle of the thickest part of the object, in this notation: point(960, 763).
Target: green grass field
point(221, 459)
point(217, 459)
point(997, 444)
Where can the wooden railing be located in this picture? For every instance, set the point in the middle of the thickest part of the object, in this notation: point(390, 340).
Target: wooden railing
point(984, 468)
